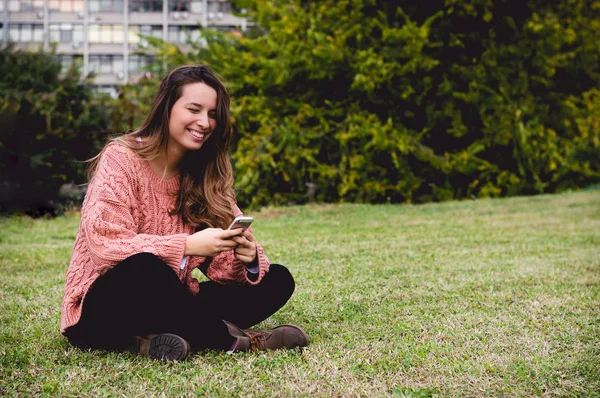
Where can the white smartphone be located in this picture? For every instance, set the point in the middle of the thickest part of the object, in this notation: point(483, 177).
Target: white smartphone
point(241, 222)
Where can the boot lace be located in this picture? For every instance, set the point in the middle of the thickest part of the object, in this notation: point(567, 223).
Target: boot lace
point(258, 338)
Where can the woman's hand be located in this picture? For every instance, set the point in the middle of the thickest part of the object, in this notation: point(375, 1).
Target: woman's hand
point(211, 241)
point(246, 249)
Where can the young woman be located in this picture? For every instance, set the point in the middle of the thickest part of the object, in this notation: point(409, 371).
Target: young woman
point(158, 206)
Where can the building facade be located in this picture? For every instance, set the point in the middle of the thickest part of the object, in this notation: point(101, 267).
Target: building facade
point(104, 35)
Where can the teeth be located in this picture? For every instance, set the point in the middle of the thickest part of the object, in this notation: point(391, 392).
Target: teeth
point(197, 134)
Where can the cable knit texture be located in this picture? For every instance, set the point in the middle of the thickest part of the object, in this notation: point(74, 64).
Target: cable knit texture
point(126, 211)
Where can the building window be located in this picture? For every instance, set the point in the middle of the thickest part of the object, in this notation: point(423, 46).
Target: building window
point(105, 63)
point(68, 61)
point(14, 33)
point(137, 62)
point(13, 6)
point(179, 5)
point(144, 30)
point(224, 7)
point(66, 5)
point(217, 9)
point(66, 33)
point(25, 33)
point(218, 6)
point(183, 34)
point(106, 5)
point(176, 34)
point(151, 30)
point(24, 5)
point(106, 34)
point(145, 5)
point(194, 6)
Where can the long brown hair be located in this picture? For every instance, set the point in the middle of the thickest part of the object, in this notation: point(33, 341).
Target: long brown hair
point(206, 195)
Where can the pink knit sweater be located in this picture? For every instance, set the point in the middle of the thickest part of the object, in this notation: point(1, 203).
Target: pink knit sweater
point(126, 211)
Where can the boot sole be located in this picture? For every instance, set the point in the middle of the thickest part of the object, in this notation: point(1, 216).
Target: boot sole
point(168, 347)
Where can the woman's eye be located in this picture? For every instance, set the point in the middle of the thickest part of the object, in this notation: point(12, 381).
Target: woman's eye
point(212, 115)
point(193, 110)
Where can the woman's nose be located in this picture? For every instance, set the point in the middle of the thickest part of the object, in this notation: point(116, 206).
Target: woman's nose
point(202, 120)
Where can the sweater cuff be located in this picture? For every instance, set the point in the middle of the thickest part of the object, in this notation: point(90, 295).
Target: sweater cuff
point(172, 252)
point(260, 264)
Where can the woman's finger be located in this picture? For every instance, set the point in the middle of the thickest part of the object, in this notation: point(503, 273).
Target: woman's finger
point(248, 235)
point(242, 241)
point(230, 233)
point(229, 244)
point(244, 250)
point(243, 258)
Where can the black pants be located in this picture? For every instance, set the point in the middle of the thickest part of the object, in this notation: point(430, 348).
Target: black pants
point(142, 295)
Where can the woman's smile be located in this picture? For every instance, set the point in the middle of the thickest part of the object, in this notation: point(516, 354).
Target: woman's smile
point(198, 135)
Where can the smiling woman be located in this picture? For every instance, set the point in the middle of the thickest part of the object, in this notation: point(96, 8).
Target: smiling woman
point(158, 206)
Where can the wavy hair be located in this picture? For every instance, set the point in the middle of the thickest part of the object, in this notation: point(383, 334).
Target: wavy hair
point(206, 196)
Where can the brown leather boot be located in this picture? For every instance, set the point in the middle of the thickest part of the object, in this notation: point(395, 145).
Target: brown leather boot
point(284, 336)
point(163, 347)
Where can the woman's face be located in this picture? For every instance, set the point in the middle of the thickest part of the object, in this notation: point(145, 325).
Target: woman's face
point(193, 118)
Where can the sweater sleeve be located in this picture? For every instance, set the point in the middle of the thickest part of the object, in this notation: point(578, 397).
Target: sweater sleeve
point(225, 268)
point(108, 223)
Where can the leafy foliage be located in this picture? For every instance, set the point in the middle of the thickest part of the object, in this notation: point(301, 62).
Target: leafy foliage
point(47, 121)
point(402, 101)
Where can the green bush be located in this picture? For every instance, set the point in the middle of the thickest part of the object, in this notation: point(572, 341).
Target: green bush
point(48, 119)
point(403, 101)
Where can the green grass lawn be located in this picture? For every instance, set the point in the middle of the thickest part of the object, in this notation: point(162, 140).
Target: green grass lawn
point(473, 298)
